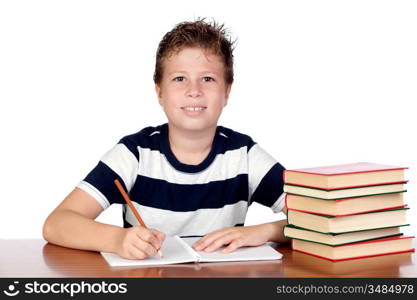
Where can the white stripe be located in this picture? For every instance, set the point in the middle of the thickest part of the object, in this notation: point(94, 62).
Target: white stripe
point(123, 162)
point(155, 165)
point(95, 193)
point(221, 133)
point(260, 162)
point(199, 222)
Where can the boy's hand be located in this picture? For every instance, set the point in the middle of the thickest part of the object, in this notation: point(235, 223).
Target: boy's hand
point(138, 242)
point(235, 237)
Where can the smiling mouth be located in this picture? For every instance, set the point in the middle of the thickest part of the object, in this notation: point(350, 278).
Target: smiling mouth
point(194, 108)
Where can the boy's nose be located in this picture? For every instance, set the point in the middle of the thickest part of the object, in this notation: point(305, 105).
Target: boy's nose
point(193, 90)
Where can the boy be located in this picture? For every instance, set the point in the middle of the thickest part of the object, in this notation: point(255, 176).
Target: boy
point(189, 177)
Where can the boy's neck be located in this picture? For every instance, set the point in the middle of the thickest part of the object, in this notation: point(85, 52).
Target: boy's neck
point(189, 146)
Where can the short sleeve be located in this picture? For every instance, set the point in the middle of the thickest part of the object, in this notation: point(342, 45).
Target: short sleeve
point(118, 163)
point(265, 177)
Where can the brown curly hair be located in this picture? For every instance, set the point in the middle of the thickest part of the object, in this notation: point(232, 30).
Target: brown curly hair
point(209, 36)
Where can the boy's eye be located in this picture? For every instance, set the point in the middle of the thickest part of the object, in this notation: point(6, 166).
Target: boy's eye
point(208, 78)
point(179, 78)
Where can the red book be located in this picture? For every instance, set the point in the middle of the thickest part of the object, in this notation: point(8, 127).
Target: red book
point(345, 176)
point(371, 248)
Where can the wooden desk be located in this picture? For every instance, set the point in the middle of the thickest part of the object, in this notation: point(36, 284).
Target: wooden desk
point(36, 258)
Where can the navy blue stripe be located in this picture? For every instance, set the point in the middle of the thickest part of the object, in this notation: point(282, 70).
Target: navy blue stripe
point(251, 144)
point(143, 138)
point(270, 187)
point(234, 140)
point(102, 178)
point(161, 194)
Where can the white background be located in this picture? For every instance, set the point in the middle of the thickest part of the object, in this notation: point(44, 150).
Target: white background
point(317, 83)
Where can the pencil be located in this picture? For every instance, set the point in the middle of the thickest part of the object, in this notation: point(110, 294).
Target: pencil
point(132, 207)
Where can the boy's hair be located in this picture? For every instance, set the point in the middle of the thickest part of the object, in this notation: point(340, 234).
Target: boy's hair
point(209, 36)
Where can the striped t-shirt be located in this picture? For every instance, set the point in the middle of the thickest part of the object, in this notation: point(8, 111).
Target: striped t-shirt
point(181, 199)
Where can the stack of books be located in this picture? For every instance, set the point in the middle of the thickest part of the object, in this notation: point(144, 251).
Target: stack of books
point(347, 211)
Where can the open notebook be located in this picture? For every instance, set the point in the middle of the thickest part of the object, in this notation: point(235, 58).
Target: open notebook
point(178, 250)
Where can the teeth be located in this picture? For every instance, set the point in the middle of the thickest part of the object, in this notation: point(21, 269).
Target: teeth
point(199, 108)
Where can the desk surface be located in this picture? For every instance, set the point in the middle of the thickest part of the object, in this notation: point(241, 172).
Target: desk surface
point(36, 258)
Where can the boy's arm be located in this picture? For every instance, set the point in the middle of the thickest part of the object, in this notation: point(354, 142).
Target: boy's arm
point(72, 225)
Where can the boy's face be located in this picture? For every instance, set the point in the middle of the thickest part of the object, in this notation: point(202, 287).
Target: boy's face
point(193, 90)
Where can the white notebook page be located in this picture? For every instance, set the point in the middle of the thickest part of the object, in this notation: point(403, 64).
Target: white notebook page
point(264, 252)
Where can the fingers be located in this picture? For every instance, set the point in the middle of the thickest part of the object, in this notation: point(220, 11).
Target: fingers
point(215, 240)
point(205, 241)
point(159, 235)
point(221, 241)
point(134, 253)
point(139, 243)
point(149, 237)
point(233, 246)
point(145, 247)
